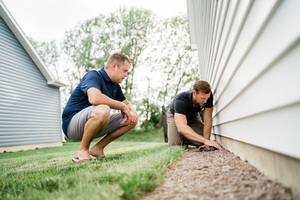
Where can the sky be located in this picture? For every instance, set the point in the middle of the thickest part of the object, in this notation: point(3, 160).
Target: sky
point(45, 20)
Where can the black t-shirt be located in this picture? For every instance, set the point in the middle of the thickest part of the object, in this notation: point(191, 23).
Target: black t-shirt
point(183, 104)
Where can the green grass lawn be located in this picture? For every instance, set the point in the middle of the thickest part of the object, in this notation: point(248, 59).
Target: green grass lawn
point(134, 164)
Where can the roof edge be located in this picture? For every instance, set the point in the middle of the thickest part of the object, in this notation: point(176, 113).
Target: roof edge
point(56, 83)
point(22, 38)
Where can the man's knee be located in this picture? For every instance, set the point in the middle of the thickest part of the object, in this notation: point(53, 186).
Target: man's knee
point(101, 113)
point(173, 138)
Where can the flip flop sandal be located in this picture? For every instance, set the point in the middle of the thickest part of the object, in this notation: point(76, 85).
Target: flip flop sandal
point(77, 160)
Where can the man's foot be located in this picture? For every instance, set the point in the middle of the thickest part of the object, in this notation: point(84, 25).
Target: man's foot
point(97, 152)
point(82, 156)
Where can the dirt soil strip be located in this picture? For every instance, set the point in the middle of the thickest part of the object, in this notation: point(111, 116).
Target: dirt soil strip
point(217, 175)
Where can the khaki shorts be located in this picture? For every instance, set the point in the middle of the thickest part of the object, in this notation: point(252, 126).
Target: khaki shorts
point(175, 138)
point(78, 121)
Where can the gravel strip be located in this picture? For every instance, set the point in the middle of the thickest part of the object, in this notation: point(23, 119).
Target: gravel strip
point(217, 175)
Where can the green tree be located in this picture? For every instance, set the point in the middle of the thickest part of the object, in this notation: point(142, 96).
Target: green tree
point(151, 113)
point(173, 66)
point(180, 63)
point(84, 44)
point(90, 43)
point(135, 26)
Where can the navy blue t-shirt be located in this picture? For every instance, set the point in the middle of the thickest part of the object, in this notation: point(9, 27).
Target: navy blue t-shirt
point(183, 104)
point(79, 99)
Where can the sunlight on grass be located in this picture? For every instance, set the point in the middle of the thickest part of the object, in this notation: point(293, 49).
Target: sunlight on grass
point(130, 169)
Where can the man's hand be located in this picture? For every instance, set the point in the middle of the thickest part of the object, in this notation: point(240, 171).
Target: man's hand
point(206, 148)
point(134, 119)
point(211, 144)
point(131, 117)
point(126, 114)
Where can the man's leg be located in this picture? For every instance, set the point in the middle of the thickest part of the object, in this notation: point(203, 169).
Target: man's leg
point(98, 149)
point(174, 137)
point(85, 125)
point(97, 121)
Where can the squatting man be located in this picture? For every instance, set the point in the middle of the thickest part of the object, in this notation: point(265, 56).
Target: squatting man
point(185, 126)
point(88, 115)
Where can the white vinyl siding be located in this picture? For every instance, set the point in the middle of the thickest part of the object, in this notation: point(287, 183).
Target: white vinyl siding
point(250, 53)
point(29, 107)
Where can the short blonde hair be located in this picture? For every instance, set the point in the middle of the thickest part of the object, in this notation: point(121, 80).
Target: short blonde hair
point(117, 58)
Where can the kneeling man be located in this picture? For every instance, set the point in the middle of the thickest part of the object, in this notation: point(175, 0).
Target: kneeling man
point(185, 126)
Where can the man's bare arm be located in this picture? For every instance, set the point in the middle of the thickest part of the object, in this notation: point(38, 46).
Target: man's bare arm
point(188, 132)
point(207, 120)
point(185, 130)
point(96, 97)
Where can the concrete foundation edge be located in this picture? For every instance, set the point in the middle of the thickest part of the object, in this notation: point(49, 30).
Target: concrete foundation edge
point(29, 147)
point(280, 168)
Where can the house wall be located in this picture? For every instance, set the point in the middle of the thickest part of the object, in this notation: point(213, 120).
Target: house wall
point(29, 107)
point(250, 53)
